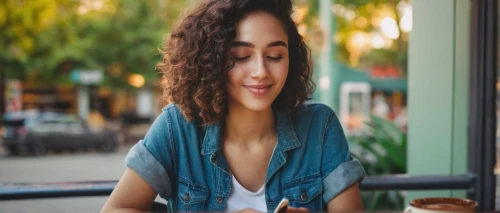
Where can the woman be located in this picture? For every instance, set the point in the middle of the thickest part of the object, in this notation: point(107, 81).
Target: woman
point(238, 135)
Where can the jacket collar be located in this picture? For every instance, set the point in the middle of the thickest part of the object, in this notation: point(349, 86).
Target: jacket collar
point(287, 137)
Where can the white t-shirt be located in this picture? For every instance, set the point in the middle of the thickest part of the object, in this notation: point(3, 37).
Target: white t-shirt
point(241, 198)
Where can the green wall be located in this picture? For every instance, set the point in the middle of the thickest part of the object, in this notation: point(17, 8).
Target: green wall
point(438, 90)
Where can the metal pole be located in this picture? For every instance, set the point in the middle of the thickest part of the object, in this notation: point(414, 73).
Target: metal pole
point(83, 101)
point(328, 84)
point(2, 93)
point(482, 108)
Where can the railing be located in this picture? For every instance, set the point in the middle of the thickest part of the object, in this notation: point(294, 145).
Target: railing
point(408, 183)
point(18, 191)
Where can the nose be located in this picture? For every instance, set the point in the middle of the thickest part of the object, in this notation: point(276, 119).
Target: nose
point(259, 70)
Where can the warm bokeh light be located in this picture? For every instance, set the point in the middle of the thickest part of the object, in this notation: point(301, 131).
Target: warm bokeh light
point(324, 82)
point(378, 42)
point(299, 13)
point(406, 23)
point(389, 27)
point(88, 5)
point(405, 11)
point(361, 22)
point(136, 80)
point(344, 12)
point(359, 41)
point(302, 28)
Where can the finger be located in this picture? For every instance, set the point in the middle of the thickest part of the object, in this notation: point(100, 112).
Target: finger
point(249, 210)
point(297, 210)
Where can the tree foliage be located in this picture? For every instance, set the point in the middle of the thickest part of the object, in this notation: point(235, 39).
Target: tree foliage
point(355, 22)
point(44, 40)
point(26, 26)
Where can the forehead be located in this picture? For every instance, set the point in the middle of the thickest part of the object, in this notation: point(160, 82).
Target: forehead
point(260, 28)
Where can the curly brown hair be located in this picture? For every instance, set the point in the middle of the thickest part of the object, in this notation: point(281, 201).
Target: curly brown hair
point(195, 58)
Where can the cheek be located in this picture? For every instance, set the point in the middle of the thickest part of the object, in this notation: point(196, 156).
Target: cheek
point(281, 73)
point(234, 76)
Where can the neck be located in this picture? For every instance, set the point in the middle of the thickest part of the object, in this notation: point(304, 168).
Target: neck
point(249, 127)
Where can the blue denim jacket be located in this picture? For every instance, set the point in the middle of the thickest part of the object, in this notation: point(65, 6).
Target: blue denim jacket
point(183, 162)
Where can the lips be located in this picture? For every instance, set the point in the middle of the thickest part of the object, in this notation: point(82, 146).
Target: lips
point(258, 89)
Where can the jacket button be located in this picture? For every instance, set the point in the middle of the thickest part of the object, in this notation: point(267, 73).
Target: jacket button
point(303, 196)
point(219, 200)
point(187, 198)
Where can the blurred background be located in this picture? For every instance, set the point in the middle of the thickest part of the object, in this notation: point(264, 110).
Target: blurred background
point(79, 87)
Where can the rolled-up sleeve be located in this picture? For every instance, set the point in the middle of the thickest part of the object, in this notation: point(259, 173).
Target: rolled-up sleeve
point(341, 178)
point(338, 168)
point(145, 164)
point(150, 157)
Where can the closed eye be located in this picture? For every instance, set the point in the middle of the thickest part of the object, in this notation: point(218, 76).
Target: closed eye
point(236, 58)
point(275, 58)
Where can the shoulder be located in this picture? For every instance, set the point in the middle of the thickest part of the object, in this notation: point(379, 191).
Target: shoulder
point(176, 122)
point(174, 115)
point(168, 130)
point(171, 110)
point(317, 112)
point(315, 119)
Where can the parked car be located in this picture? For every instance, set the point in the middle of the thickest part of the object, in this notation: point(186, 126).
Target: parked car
point(39, 132)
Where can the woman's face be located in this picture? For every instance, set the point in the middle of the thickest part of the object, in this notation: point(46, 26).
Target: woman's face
point(260, 52)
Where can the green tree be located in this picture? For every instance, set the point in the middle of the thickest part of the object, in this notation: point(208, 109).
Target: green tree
point(356, 23)
point(44, 40)
point(125, 42)
point(22, 23)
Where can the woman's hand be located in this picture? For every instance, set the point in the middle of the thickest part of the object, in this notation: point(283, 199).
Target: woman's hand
point(296, 210)
point(247, 210)
point(288, 210)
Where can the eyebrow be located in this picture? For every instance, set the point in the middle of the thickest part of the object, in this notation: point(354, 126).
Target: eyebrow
point(248, 44)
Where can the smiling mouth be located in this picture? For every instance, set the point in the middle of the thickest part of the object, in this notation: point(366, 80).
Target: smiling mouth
point(258, 90)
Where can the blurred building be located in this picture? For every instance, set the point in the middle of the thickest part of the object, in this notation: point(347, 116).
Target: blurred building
point(86, 96)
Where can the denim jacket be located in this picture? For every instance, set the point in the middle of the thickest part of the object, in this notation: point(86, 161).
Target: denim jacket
point(183, 161)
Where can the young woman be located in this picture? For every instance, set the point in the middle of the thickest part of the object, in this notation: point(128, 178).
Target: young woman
point(237, 134)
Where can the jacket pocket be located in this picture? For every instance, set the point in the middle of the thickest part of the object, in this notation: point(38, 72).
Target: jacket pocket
point(191, 197)
point(305, 192)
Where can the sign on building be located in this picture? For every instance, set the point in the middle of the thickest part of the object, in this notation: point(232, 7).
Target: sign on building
point(86, 77)
point(14, 96)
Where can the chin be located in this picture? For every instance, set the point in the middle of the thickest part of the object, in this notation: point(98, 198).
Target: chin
point(257, 106)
